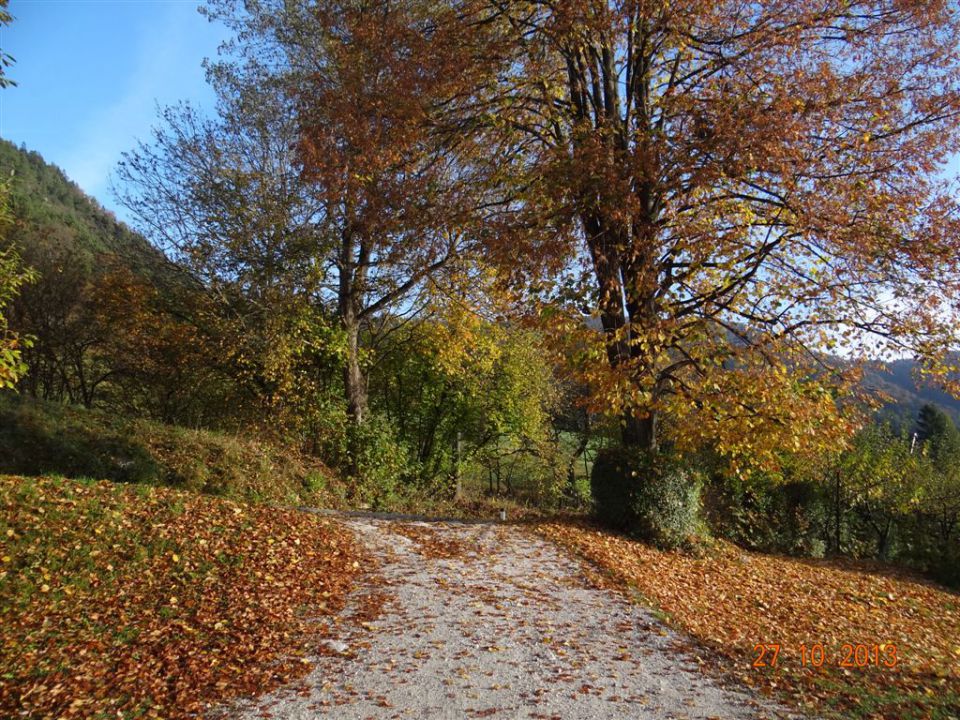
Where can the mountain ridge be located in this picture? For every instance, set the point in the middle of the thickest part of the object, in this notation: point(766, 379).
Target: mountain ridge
point(54, 216)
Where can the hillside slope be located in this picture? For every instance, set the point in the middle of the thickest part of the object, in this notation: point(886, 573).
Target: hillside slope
point(897, 380)
point(53, 214)
point(42, 438)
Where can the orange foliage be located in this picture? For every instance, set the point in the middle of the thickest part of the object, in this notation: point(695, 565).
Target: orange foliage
point(734, 186)
point(124, 599)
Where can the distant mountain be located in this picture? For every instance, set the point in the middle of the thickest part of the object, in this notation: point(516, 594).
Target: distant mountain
point(897, 380)
point(54, 217)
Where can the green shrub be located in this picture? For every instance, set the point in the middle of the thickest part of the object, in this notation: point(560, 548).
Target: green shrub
point(657, 500)
point(668, 508)
point(946, 567)
point(764, 512)
point(613, 484)
point(377, 462)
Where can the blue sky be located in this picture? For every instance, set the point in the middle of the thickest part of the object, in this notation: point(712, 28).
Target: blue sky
point(90, 74)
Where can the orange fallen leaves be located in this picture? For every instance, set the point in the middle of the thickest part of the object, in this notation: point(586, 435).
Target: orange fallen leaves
point(429, 542)
point(128, 601)
point(732, 600)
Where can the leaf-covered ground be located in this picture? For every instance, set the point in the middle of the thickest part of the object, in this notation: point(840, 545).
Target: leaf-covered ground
point(506, 626)
point(135, 601)
point(731, 601)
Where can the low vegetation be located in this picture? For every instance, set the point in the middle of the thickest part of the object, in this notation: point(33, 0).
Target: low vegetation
point(137, 601)
point(732, 601)
point(38, 438)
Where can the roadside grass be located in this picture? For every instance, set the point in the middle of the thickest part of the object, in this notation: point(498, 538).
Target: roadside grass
point(42, 438)
point(130, 601)
point(731, 601)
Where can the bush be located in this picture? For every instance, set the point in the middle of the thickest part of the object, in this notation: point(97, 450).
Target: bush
point(657, 501)
point(946, 567)
point(378, 462)
point(764, 512)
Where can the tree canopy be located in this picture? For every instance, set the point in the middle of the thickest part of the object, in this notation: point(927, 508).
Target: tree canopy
point(746, 186)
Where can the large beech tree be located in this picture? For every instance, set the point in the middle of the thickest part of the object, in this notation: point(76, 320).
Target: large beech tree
point(746, 184)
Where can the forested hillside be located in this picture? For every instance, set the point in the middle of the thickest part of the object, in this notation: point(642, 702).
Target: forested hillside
point(898, 380)
point(53, 215)
point(102, 320)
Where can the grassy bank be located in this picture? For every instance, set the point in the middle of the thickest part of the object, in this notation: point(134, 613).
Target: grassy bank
point(38, 438)
point(733, 601)
point(136, 601)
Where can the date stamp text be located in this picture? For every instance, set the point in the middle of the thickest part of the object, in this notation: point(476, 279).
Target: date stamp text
point(816, 655)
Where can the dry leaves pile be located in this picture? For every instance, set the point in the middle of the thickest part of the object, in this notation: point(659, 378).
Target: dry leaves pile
point(133, 601)
point(733, 600)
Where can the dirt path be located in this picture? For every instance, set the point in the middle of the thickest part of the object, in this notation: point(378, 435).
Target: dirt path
point(489, 621)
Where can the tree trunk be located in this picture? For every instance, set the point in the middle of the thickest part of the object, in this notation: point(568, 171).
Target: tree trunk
point(354, 382)
point(837, 516)
point(637, 431)
point(352, 280)
point(457, 475)
point(622, 249)
point(640, 433)
point(883, 541)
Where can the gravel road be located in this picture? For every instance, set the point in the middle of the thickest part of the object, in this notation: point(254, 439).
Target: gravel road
point(488, 620)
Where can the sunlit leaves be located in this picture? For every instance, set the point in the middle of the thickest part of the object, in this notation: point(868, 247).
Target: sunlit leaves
point(145, 601)
point(730, 600)
point(738, 188)
point(12, 276)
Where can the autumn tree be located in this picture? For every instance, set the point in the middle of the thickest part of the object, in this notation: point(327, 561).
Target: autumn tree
point(58, 311)
point(397, 192)
point(739, 187)
point(12, 274)
point(221, 195)
point(325, 184)
point(5, 59)
point(12, 277)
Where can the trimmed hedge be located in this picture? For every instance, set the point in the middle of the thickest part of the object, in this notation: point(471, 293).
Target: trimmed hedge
point(657, 500)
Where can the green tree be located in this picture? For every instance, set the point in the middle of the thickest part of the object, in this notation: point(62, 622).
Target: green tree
point(937, 430)
point(5, 59)
point(939, 496)
point(882, 480)
point(472, 399)
point(12, 277)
